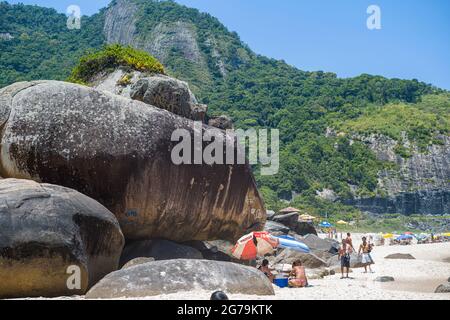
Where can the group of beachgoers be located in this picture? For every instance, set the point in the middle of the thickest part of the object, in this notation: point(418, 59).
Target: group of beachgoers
point(364, 252)
point(297, 275)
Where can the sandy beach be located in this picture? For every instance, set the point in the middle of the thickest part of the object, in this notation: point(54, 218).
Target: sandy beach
point(414, 279)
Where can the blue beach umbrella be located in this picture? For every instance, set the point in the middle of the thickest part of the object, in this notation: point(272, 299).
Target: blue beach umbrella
point(405, 237)
point(325, 224)
point(289, 242)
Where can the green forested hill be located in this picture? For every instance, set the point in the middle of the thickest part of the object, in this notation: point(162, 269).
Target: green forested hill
point(253, 90)
point(43, 47)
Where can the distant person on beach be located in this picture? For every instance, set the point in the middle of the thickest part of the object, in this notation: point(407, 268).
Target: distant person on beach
point(350, 241)
point(266, 270)
point(364, 250)
point(297, 277)
point(345, 251)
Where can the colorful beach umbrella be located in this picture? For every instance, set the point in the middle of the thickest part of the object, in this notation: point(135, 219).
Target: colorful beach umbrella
point(291, 243)
point(253, 245)
point(341, 222)
point(388, 236)
point(446, 234)
point(325, 224)
point(405, 237)
point(410, 233)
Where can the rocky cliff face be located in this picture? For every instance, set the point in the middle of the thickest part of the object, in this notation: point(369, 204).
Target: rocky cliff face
point(419, 184)
point(174, 39)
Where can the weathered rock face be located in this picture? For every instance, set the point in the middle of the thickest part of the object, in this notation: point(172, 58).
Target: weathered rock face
point(45, 229)
point(157, 90)
point(170, 94)
point(309, 260)
point(137, 261)
point(305, 228)
point(118, 151)
point(222, 122)
point(317, 244)
point(189, 43)
point(420, 185)
point(276, 228)
point(165, 277)
point(290, 220)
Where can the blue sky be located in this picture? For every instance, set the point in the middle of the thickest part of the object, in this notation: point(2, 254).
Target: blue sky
point(331, 35)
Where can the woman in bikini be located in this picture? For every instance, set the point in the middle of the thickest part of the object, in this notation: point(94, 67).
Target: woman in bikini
point(266, 270)
point(297, 277)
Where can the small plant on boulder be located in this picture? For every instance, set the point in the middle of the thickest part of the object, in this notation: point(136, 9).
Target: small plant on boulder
point(111, 57)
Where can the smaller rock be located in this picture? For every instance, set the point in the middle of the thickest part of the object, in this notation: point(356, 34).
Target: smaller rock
point(198, 112)
point(270, 214)
point(443, 288)
point(165, 277)
point(304, 228)
point(276, 228)
point(290, 220)
point(222, 122)
point(400, 256)
point(384, 279)
point(137, 261)
point(317, 244)
point(309, 260)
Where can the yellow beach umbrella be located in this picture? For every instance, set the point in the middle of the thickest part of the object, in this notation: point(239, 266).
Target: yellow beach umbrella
point(388, 236)
point(446, 234)
point(341, 222)
point(306, 217)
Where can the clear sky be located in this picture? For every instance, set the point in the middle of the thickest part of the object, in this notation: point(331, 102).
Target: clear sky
point(331, 35)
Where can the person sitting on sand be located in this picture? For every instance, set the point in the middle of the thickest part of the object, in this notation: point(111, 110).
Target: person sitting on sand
point(297, 277)
point(345, 251)
point(365, 248)
point(266, 270)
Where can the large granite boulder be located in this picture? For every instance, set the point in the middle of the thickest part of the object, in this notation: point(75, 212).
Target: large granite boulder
point(165, 277)
point(119, 152)
point(159, 250)
point(47, 234)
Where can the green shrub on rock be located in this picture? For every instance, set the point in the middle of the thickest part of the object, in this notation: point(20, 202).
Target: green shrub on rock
point(113, 56)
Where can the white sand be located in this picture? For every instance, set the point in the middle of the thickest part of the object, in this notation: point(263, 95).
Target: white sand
point(414, 279)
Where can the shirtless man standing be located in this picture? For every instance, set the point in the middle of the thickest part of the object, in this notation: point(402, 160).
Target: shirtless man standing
point(344, 255)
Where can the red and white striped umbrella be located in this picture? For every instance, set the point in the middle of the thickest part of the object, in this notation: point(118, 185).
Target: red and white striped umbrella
point(255, 244)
